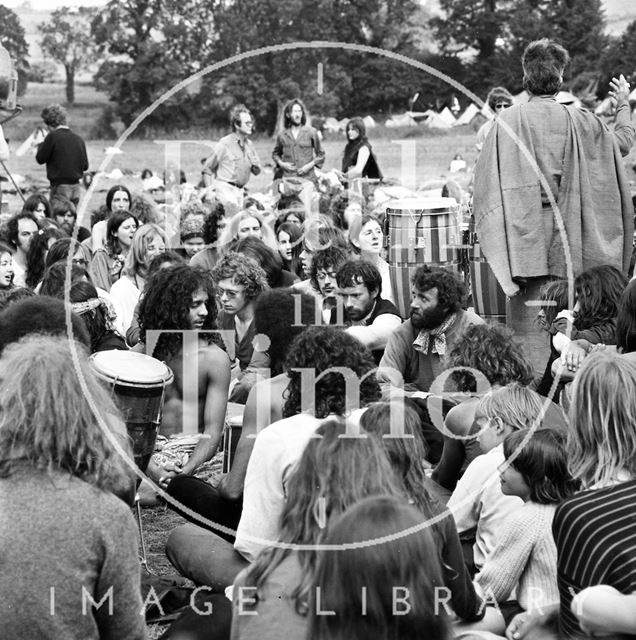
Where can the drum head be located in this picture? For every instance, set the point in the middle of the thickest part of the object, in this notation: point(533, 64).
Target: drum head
point(422, 204)
point(130, 368)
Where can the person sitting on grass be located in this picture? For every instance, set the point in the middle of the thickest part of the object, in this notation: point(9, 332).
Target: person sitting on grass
point(178, 300)
point(524, 560)
point(477, 503)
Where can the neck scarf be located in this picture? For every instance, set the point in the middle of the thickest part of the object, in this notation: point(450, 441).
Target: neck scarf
point(438, 335)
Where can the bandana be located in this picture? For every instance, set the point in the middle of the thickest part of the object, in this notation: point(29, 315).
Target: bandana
point(81, 308)
point(438, 335)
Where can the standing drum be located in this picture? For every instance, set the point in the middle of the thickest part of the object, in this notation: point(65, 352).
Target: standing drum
point(489, 299)
point(138, 384)
point(420, 231)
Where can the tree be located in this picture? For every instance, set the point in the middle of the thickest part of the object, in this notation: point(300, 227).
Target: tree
point(13, 40)
point(67, 40)
point(496, 33)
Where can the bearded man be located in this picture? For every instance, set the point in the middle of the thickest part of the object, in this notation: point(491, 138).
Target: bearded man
point(416, 349)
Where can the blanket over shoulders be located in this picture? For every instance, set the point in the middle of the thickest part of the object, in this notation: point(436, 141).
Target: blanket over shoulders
point(593, 217)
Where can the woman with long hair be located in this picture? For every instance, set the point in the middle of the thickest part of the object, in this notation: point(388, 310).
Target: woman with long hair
point(358, 160)
point(38, 204)
point(380, 576)
point(59, 472)
point(626, 320)
point(118, 200)
point(38, 250)
point(333, 473)
point(270, 261)
point(98, 315)
point(289, 237)
point(149, 240)
point(6, 271)
point(245, 224)
point(108, 263)
point(594, 530)
point(406, 449)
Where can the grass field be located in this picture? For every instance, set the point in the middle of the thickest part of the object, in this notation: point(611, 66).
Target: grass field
point(406, 154)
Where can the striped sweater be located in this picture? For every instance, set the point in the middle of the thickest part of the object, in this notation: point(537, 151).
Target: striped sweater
point(595, 535)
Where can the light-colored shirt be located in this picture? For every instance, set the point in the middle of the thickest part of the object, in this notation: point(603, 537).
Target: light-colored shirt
point(478, 502)
point(233, 160)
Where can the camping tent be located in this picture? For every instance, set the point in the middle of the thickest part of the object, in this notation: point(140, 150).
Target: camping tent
point(466, 118)
point(369, 122)
point(404, 120)
point(447, 116)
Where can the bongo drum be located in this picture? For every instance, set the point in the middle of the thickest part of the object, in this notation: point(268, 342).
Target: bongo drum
point(420, 231)
point(489, 299)
point(138, 384)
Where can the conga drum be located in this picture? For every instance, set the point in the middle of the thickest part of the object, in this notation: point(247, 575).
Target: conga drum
point(138, 383)
point(420, 231)
point(489, 299)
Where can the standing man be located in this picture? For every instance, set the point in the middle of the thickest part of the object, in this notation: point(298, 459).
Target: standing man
point(551, 192)
point(297, 152)
point(64, 154)
point(369, 317)
point(233, 160)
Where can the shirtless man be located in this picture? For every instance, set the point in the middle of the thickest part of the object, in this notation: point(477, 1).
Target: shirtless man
point(177, 300)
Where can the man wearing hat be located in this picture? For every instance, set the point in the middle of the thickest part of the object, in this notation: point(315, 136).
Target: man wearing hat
point(191, 234)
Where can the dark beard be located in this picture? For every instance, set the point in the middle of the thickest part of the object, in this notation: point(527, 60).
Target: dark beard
point(430, 319)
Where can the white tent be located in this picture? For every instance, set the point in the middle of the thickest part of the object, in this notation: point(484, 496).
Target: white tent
point(436, 121)
point(404, 120)
point(471, 111)
point(632, 96)
point(369, 122)
point(447, 116)
point(331, 124)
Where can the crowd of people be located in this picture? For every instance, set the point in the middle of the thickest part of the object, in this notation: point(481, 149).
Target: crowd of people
point(430, 476)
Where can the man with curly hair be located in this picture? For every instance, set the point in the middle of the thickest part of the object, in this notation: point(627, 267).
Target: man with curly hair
point(181, 299)
point(208, 559)
point(322, 277)
point(416, 350)
point(239, 280)
point(64, 154)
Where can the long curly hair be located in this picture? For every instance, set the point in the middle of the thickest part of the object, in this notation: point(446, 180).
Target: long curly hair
point(492, 350)
point(46, 420)
point(598, 291)
point(165, 305)
point(211, 222)
point(333, 473)
point(281, 315)
point(318, 349)
point(36, 255)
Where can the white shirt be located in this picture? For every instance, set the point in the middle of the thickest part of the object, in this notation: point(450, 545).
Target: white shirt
point(125, 296)
point(478, 502)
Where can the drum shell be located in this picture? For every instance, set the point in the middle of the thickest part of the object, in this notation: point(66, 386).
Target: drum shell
point(141, 410)
point(417, 236)
point(137, 384)
point(489, 299)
